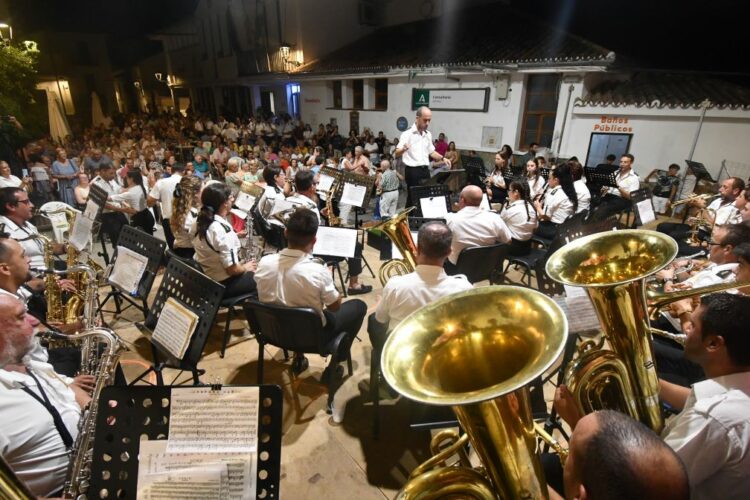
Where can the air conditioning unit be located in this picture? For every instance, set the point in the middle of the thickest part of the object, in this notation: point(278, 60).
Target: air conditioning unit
point(370, 13)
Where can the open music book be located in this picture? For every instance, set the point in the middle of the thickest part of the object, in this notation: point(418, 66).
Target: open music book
point(175, 327)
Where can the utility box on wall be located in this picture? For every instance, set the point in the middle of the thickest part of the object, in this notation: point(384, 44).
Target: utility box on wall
point(502, 87)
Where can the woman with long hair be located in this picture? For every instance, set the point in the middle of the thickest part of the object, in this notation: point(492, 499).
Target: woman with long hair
point(217, 246)
point(534, 178)
point(520, 215)
point(133, 200)
point(560, 202)
point(185, 204)
point(497, 191)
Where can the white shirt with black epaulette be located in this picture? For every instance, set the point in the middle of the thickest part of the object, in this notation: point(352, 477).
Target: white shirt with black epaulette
point(219, 250)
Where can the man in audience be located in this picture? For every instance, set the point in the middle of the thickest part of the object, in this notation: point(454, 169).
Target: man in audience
point(611, 456)
point(617, 199)
point(39, 408)
point(163, 193)
point(712, 432)
point(473, 226)
point(220, 157)
point(112, 222)
point(294, 278)
point(92, 163)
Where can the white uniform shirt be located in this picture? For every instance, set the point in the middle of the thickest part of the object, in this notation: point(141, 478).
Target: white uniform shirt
point(713, 274)
point(163, 191)
point(306, 202)
point(182, 238)
point(219, 250)
point(10, 181)
point(629, 182)
point(34, 248)
point(584, 195)
point(725, 213)
point(536, 186)
point(475, 227)
point(270, 193)
point(111, 187)
point(557, 206)
point(29, 440)
point(294, 279)
point(712, 437)
point(403, 295)
point(520, 225)
point(420, 147)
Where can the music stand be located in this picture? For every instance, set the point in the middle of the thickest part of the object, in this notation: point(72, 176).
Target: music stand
point(148, 246)
point(99, 196)
point(126, 414)
point(699, 170)
point(638, 196)
point(474, 167)
point(429, 191)
point(603, 175)
point(544, 172)
point(200, 294)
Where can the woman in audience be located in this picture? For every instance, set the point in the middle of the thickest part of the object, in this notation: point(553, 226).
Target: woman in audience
point(201, 166)
point(233, 175)
point(185, 205)
point(216, 244)
point(65, 171)
point(81, 191)
point(534, 179)
point(520, 215)
point(559, 203)
point(133, 202)
point(497, 191)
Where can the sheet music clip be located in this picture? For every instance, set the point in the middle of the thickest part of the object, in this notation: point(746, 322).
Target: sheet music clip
point(216, 385)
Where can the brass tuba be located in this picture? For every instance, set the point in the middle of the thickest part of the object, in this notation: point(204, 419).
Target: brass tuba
point(397, 229)
point(477, 351)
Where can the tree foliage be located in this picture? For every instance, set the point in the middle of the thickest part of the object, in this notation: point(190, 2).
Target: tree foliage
point(17, 85)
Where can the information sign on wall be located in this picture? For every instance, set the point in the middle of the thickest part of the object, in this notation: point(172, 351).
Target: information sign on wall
point(452, 99)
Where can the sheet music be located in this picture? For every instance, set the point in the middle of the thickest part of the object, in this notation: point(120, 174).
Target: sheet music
point(280, 205)
point(239, 213)
point(439, 167)
point(325, 182)
point(645, 211)
point(209, 481)
point(353, 195)
point(203, 420)
point(335, 242)
point(241, 481)
point(81, 232)
point(433, 207)
point(91, 210)
point(128, 269)
point(580, 311)
point(395, 253)
point(175, 327)
point(244, 201)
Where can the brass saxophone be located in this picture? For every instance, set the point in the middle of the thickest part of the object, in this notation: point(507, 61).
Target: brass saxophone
point(103, 369)
point(333, 220)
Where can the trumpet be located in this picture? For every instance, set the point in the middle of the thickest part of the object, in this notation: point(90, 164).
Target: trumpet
point(695, 197)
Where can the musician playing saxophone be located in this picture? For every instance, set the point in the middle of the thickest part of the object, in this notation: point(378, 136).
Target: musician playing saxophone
point(39, 408)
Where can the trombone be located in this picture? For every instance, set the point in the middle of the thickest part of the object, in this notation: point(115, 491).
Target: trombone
point(695, 197)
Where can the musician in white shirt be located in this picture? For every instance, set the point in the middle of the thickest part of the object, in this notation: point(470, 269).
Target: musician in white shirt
point(617, 199)
point(520, 215)
point(534, 178)
point(112, 222)
point(473, 226)
point(582, 191)
point(415, 148)
point(560, 202)
point(163, 193)
point(186, 202)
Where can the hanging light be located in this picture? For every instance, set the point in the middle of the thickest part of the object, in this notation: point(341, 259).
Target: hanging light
point(285, 50)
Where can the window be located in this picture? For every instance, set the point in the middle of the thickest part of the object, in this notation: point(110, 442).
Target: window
point(337, 101)
point(381, 93)
point(358, 94)
point(540, 111)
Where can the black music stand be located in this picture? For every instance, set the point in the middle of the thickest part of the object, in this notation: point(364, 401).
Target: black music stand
point(603, 175)
point(429, 191)
point(544, 172)
point(443, 177)
point(200, 294)
point(148, 246)
point(368, 181)
point(125, 414)
point(474, 167)
point(699, 170)
point(99, 196)
point(636, 197)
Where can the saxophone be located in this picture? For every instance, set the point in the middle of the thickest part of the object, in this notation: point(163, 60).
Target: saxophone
point(52, 290)
point(103, 369)
point(333, 221)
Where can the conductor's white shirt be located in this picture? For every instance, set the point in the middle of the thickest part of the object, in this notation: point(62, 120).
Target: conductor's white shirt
point(725, 213)
point(475, 227)
point(557, 205)
point(29, 440)
point(219, 250)
point(420, 147)
point(628, 182)
point(403, 295)
point(163, 191)
point(295, 279)
point(584, 195)
point(712, 437)
point(520, 224)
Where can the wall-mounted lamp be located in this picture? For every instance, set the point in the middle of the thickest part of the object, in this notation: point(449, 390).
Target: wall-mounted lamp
point(6, 33)
point(137, 85)
point(158, 76)
point(285, 50)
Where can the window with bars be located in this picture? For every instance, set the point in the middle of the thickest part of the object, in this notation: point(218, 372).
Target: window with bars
point(358, 94)
point(540, 111)
point(381, 93)
point(337, 100)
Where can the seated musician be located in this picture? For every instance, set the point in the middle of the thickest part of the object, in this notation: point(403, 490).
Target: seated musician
point(721, 211)
point(742, 273)
point(496, 189)
point(294, 278)
point(112, 222)
point(39, 408)
point(403, 295)
point(186, 201)
point(617, 199)
point(579, 183)
point(612, 456)
point(216, 244)
point(559, 203)
point(711, 434)
point(307, 197)
point(743, 204)
point(473, 226)
point(520, 215)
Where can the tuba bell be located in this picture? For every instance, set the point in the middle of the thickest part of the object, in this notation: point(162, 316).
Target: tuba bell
point(477, 351)
point(397, 229)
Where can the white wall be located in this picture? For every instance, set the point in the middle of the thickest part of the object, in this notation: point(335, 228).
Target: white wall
point(465, 128)
point(664, 136)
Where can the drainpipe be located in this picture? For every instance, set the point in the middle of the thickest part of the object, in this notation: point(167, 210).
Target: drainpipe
point(704, 107)
point(571, 87)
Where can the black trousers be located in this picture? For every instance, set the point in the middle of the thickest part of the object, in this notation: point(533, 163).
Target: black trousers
point(414, 177)
point(610, 205)
point(240, 285)
point(168, 236)
point(347, 319)
point(112, 223)
point(547, 230)
point(672, 366)
point(185, 253)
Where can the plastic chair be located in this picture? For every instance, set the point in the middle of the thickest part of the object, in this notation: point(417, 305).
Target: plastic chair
point(298, 329)
point(482, 263)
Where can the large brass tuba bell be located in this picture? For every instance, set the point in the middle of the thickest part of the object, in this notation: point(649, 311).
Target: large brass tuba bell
point(612, 267)
point(397, 229)
point(477, 351)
